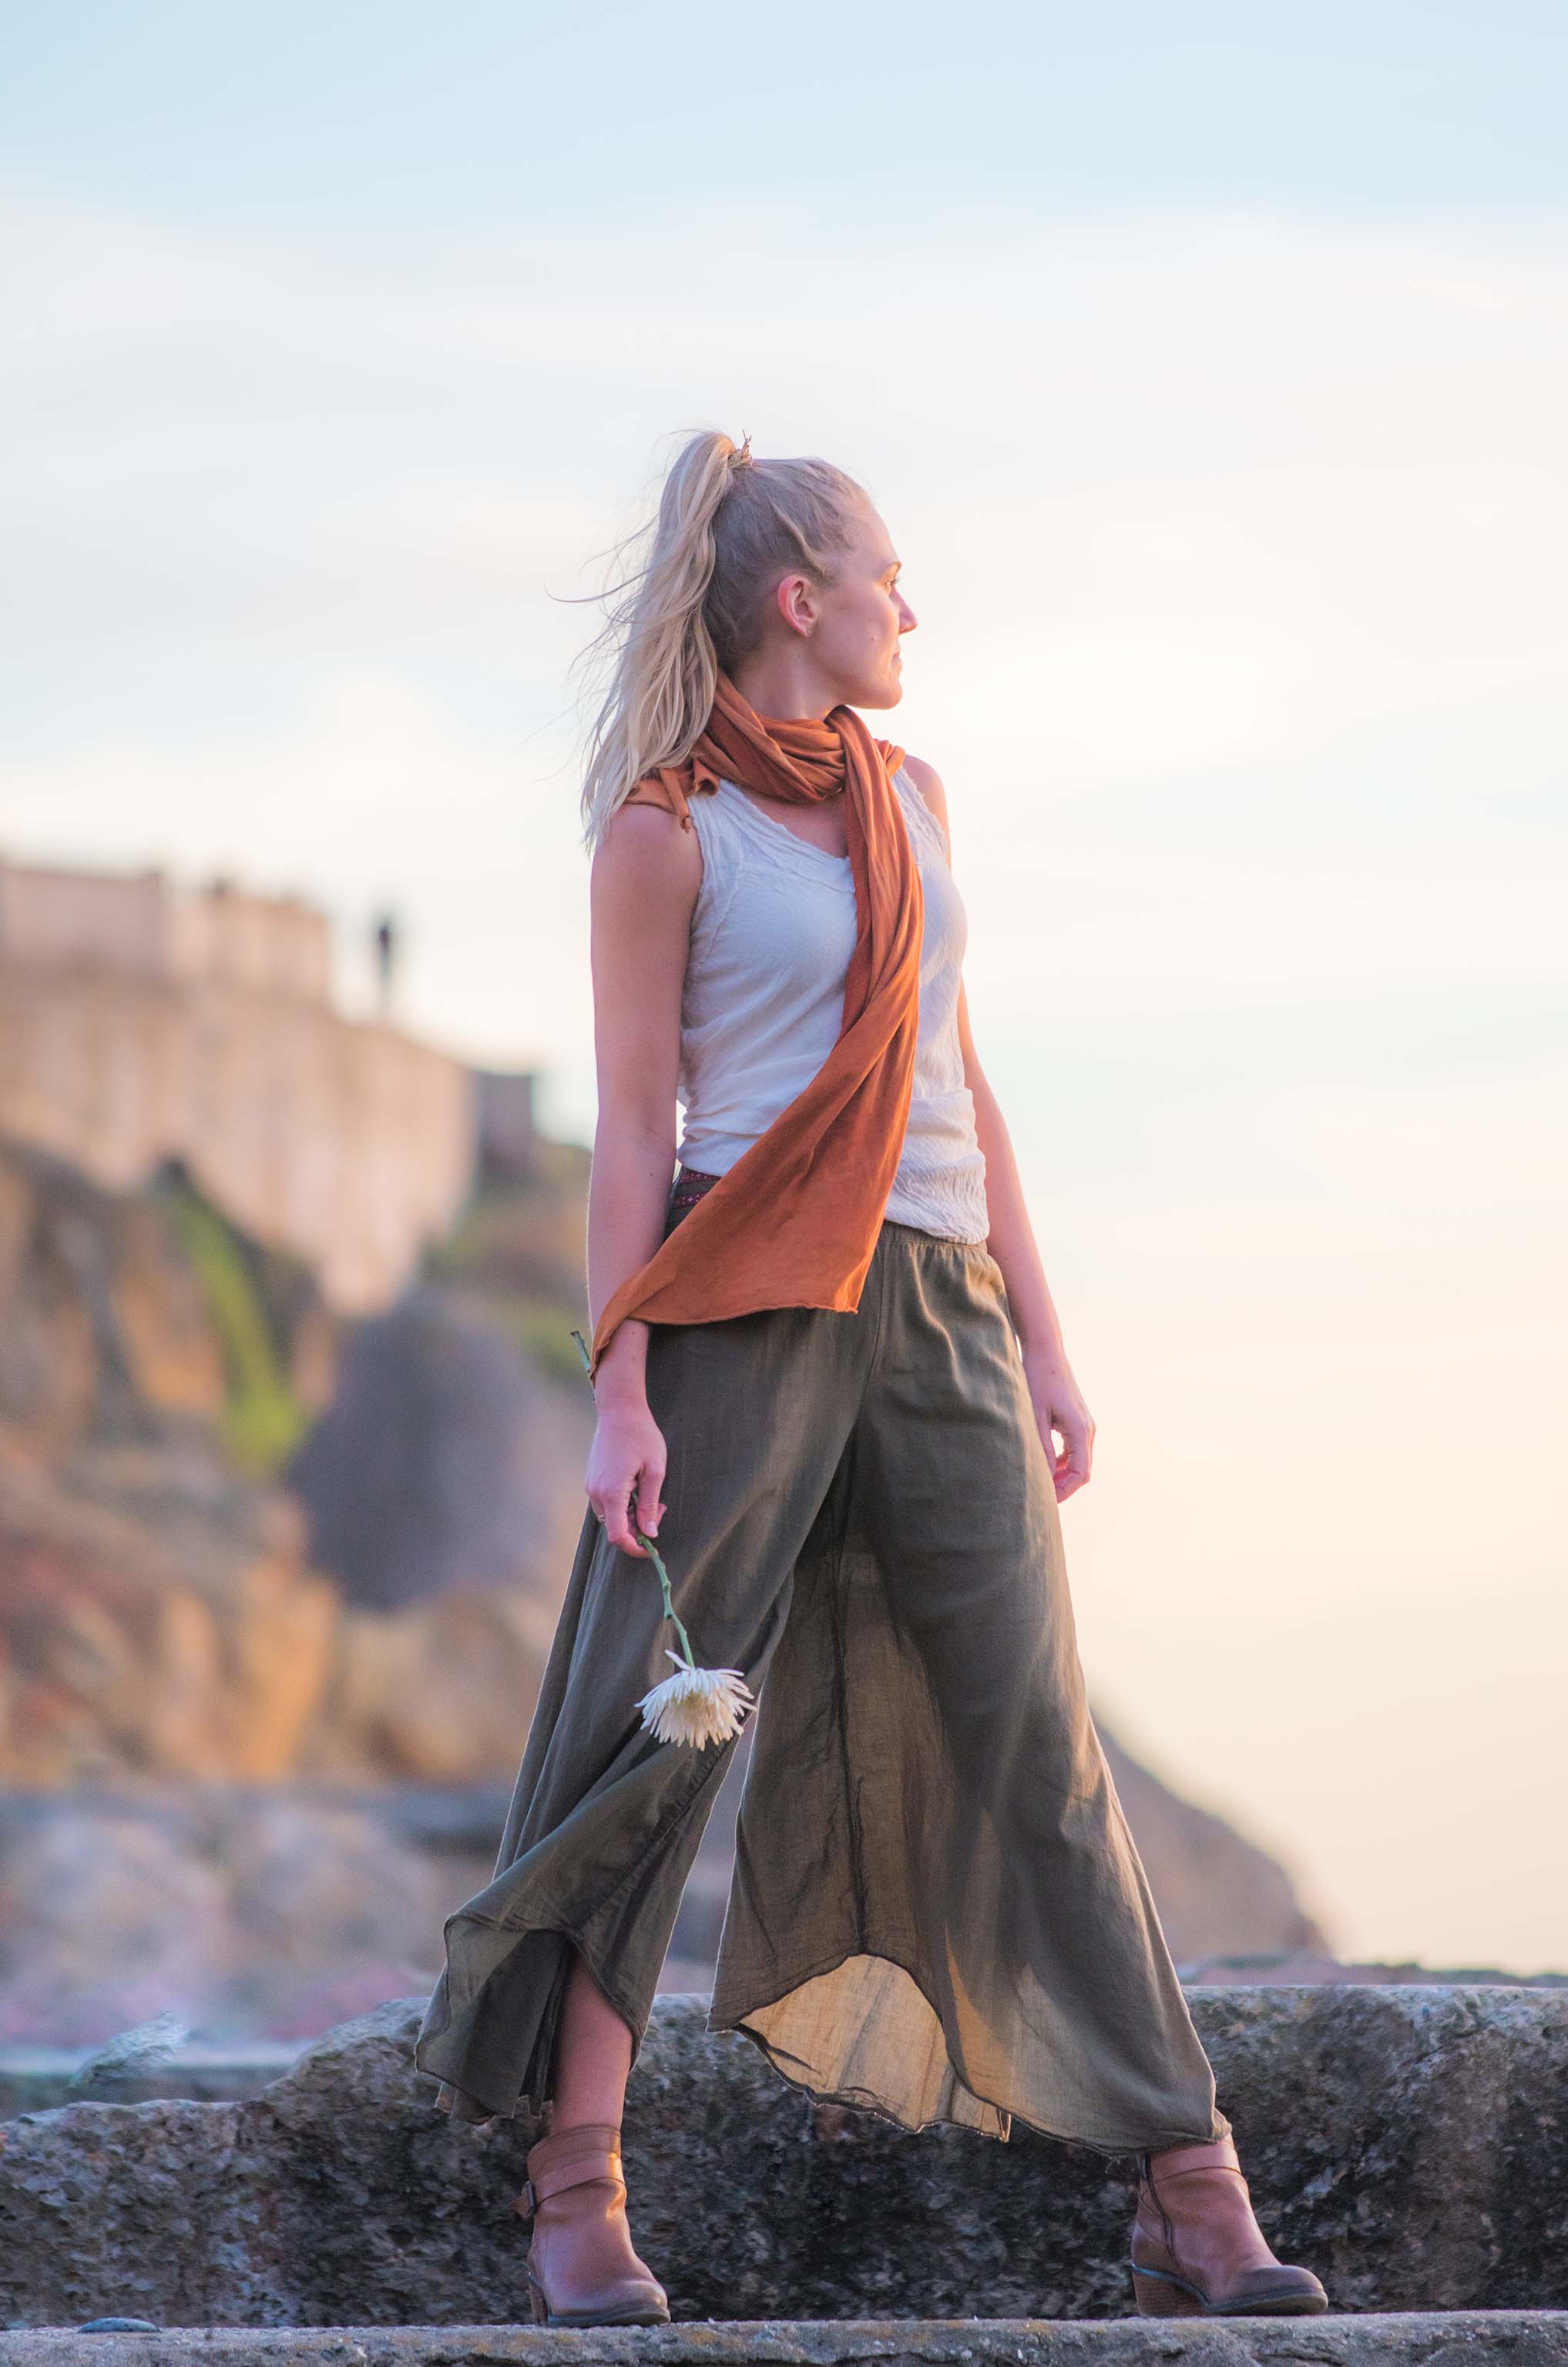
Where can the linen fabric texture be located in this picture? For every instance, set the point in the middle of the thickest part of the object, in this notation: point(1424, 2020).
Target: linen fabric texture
point(793, 1223)
point(936, 1910)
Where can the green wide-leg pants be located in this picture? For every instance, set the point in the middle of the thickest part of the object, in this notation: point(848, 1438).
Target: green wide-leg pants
point(938, 1912)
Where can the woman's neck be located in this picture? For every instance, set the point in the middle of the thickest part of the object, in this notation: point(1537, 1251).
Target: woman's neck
point(785, 685)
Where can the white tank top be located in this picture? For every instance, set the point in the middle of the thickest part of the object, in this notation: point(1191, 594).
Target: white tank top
point(771, 937)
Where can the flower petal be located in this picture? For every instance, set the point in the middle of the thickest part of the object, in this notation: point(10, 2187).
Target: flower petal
point(697, 1706)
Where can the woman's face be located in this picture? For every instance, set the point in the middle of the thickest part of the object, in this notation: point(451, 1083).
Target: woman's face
point(859, 618)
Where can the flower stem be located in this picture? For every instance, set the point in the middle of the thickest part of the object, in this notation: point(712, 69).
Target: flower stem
point(653, 1551)
point(649, 1548)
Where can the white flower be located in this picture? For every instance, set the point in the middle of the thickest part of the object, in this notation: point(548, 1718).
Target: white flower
point(695, 1706)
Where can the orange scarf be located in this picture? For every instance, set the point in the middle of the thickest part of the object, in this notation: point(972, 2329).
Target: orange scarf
point(794, 1221)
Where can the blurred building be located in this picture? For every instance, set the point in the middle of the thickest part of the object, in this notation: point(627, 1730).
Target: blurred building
point(142, 1020)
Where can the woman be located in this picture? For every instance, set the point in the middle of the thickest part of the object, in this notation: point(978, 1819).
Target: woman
point(829, 1380)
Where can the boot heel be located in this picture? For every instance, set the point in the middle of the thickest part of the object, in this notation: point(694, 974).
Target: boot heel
point(1159, 2297)
point(538, 2302)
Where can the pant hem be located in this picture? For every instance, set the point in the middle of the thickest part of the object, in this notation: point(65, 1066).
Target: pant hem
point(1111, 2147)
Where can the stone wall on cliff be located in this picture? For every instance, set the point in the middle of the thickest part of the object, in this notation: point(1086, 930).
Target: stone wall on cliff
point(347, 1142)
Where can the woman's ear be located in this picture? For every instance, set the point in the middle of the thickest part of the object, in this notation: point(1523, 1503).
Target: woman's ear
point(796, 597)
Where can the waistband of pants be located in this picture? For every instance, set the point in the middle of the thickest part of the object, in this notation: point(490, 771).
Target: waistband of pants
point(688, 1187)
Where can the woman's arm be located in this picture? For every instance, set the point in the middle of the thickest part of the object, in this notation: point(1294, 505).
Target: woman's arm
point(643, 888)
point(1058, 1403)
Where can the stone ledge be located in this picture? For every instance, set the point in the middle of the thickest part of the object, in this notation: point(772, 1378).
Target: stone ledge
point(1408, 2144)
point(1455, 2339)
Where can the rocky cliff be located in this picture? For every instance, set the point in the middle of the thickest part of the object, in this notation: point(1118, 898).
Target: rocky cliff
point(162, 1612)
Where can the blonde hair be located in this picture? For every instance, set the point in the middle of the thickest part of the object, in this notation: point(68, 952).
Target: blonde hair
point(728, 527)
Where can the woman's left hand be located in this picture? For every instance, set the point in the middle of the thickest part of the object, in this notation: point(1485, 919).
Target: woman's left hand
point(1059, 1408)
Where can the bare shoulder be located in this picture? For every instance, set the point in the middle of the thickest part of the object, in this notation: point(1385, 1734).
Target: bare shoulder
point(644, 849)
point(928, 781)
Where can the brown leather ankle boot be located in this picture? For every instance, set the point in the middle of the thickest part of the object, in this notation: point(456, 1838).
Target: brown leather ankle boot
point(582, 2268)
point(1196, 2249)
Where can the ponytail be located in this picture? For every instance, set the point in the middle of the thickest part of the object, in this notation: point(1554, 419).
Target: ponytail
point(727, 528)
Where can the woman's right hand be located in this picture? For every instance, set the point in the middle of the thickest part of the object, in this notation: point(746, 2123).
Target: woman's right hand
point(626, 1472)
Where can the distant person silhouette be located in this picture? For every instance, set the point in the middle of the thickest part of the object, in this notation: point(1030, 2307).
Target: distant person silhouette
point(385, 938)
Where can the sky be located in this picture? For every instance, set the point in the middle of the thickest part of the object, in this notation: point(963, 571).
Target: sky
point(1209, 367)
